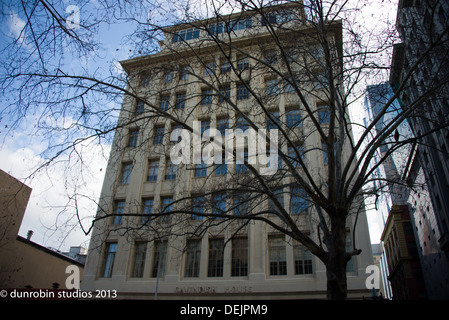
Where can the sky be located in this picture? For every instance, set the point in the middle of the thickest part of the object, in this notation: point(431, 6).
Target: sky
point(21, 152)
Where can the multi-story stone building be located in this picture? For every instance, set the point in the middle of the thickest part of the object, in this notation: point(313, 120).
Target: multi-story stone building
point(202, 72)
point(421, 63)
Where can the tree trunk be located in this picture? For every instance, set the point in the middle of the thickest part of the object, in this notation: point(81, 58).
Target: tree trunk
point(337, 260)
point(336, 278)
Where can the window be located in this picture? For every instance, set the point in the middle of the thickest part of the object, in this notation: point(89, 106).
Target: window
point(323, 114)
point(243, 64)
point(108, 260)
point(193, 256)
point(222, 125)
point(184, 73)
point(168, 76)
point(325, 153)
point(240, 24)
point(277, 256)
point(279, 195)
point(200, 170)
point(240, 166)
point(225, 93)
point(159, 258)
point(140, 251)
point(241, 123)
point(180, 102)
point(145, 79)
point(158, 135)
point(205, 125)
point(293, 118)
point(242, 92)
point(209, 69)
point(298, 201)
point(170, 170)
point(269, 19)
point(239, 257)
point(185, 35)
point(270, 58)
point(275, 122)
point(166, 208)
point(221, 169)
point(133, 136)
point(303, 260)
point(139, 108)
point(219, 203)
point(225, 67)
point(271, 87)
point(240, 202)
point(147, 210)
point(198, 208)
point(294, 159)
point(153, 169)
point(119, 209)
point(165, 103)
point(215, 265)
point(206, 97)
point(126, 173)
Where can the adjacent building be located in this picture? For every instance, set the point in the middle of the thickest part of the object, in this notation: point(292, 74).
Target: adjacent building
point(138, 256)
point(422, 57)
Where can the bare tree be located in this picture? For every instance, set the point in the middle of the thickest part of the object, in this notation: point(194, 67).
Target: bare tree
point(309, 49)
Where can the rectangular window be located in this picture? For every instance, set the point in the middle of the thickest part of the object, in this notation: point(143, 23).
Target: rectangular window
point(126, 173)
point(185, 35)
point(242, 92)
point(293, 118)
point(140, 251)
point(239, 257)
point(209, 68)
point(200, 170)
point(225, 93)
point(153, 169)
point(219, 203)
point(243, 64)
point(241, 123)
point(279, 195)
point(170, 170)
point(158, 135)
point(323, 114)
point(119, 209)
point(108, 260)
point(168, 76)
point(240, 203)
point(180, 102)
point(206, 97)
point(205, 125)
point(222, 125)
point(139, 108)
point(277, 256)
point(351, 264)
point(215, 265)
point(221, 169)
point(133, 136)
point(271, 87)
point(299, 202)
point(293, 156)
point(198, 207)
point(159, 258)
point(303, 260)
point(184, 73)
point(164, 103)
point(225, 67)
point(193, 256)
point(275, 123)
point(240, 166)
point(147, 210)
point(166, 208)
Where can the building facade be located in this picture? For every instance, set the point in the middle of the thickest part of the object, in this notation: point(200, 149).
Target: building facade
point(173, 257)
point(402, 255)
point(423, 28)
